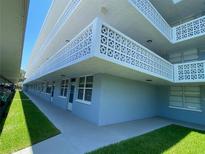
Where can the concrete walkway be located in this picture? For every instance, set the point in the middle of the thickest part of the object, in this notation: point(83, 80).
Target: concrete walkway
point(79, 136)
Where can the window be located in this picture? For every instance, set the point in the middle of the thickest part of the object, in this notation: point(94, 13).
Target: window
point(48, 88)
point(64, 88)
point(39, 87)
point(42, 87)
point(186, 97)
point(85, 88)
point(72, 80)
point(185, 56)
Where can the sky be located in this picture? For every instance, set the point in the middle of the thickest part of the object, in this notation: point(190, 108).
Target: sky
point(36, 15)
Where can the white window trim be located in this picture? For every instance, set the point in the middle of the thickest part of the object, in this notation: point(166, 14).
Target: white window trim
point(83, 102)
point(48, 85)
point(42, 87)
point(84, 88)
point(64, 87)
point(62, 97)
point(187, 109)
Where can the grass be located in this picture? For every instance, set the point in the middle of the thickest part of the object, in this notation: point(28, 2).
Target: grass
point(24, 125)
point(172, 139)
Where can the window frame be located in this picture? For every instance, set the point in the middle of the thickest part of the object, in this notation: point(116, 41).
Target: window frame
point(64, 88)
point(84, 88)
point(183, 96)
point(42, 87)
point(48, 87)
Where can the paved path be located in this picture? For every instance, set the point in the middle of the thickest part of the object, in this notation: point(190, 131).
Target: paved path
point(79, 136)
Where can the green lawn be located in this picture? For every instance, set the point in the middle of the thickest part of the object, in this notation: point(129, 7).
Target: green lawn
point(24, 125)
point(172, 139)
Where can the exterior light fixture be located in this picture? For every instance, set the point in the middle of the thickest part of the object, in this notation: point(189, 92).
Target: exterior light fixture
point(149, 41)
point(104, 10)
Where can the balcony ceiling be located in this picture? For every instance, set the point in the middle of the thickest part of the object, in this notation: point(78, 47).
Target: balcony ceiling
point(13, 15)
point(175, 10)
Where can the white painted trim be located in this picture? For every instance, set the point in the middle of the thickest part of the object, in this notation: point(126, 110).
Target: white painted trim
point(64, 97)
point(83, 102)
point(85, 88)
point(182, 108)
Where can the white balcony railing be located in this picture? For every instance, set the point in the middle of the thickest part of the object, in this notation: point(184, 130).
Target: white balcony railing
point(103, 41)
point(176, 34)
point(78, 49)
point(153, 16)
point(189, 29)
point(69, 9)
point(121, 49)
point(190, 72)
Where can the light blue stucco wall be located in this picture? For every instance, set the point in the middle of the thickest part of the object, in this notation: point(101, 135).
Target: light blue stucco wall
point(84, 111)
point(57, 99)
point(179, 114)
point(90, 111)
point(42, 95)
point(116, 99)
point(125, 100)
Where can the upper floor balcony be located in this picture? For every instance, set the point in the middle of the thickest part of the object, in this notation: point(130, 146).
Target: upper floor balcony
point(185, 31)
point(145, 23)
point(100, 48)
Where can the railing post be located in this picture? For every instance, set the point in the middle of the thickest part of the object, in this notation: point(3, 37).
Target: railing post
point(97, 24)
point(173, 35)
point(175, 73)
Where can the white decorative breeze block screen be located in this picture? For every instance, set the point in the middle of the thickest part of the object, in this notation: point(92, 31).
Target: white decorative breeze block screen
point(118, 47)
point(149, 12)
point(193, 71)
point(63, 17)
point(176, 34)
point(75, 50)
point(190, 29)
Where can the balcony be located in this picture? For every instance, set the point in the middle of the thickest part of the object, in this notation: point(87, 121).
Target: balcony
point(120, 54)
point(185, 31)
point(190, 72)
point(116, 47)
point(176, 34)
point(66, 14)
point(78, 49)
point(188, 30)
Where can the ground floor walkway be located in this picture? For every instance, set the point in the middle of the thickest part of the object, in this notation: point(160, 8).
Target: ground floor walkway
point(80, 136)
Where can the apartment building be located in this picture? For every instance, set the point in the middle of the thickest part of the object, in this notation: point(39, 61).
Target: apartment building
point(121, 60)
